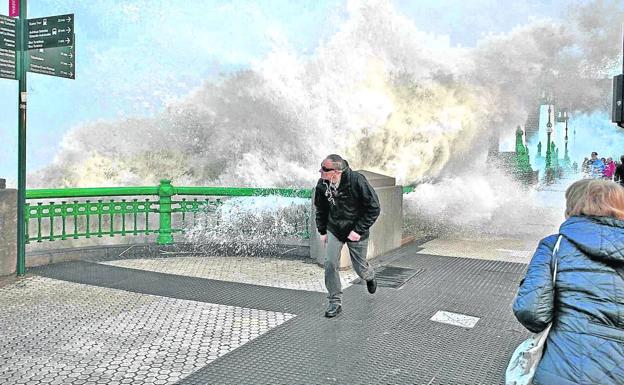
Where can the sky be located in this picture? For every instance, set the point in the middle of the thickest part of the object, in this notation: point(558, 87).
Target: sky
point(136, 57)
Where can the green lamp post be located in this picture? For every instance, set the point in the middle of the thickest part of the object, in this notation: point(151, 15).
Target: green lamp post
point(548, 149)
point(523, 164)
point(566, 156)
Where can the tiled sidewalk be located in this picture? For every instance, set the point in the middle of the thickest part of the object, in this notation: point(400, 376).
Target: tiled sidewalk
point(273, 272)
point(235, 320)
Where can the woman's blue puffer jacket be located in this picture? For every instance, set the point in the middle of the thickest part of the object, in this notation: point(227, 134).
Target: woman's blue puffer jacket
point(586, 342)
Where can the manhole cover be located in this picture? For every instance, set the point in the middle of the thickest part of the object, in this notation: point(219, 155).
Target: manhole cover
point(392, 276)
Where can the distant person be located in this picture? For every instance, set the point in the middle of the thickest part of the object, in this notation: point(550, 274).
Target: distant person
point(596, 166)
point(586, 306)
point(618, 175)
point(585, 166)
point(346, 207)
point(609, 168)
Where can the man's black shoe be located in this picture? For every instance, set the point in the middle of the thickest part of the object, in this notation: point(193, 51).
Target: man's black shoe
point(333, 310)
point(371, 285)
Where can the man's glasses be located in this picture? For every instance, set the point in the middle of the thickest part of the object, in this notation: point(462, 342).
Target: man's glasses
point(325, 169)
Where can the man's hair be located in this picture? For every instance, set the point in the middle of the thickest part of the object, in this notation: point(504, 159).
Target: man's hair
point(595, 197)
point(337, 162)
point(622, 159)
point(594, 153)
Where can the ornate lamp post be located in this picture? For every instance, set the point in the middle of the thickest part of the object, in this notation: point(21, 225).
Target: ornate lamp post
point(566, 157)
point(548, 132)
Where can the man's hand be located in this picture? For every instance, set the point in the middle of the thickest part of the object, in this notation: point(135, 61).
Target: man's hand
point(353, 236)
point(324, 240)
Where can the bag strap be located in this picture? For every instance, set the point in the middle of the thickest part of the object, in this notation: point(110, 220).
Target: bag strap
point(618, 269)
point(554, 254)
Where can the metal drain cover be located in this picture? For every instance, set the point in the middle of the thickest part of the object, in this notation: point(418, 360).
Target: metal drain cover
point(392, 276)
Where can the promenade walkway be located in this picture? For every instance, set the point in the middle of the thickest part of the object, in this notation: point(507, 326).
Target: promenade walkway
point(442, 315)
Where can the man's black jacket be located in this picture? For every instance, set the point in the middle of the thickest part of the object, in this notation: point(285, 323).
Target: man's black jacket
point(356, 206)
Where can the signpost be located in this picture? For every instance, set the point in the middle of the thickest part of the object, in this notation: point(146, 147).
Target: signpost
point(21, 141)
point(56, 61)
point(52, 31)
point(8, 32)
point(43, 45)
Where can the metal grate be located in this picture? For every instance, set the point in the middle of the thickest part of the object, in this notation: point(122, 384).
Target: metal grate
point(392, 276)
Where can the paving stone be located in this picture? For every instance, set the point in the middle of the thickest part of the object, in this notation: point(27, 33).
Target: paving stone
point(106, 339)
point(202, 330)
point(388, 338)
point(282, 273)
point(501, 249)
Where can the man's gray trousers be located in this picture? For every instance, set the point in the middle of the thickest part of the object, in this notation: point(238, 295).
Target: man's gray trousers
point(357, 251)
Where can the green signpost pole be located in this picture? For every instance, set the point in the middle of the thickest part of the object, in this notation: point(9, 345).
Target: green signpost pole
point(52, 41)
point(21, 53)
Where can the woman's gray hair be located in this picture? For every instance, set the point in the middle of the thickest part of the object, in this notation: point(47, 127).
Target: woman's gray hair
point(595, 197)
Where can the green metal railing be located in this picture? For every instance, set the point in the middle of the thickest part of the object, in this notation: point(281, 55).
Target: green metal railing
point(128, 212)
point(134, 210)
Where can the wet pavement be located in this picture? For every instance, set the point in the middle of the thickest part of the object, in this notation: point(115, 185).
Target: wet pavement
point(441, 315)
point(236, 320)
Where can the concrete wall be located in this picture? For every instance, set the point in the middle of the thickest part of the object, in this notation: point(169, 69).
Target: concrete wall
point(8, 231)
point(386, 232)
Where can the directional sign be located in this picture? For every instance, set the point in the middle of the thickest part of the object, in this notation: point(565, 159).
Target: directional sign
point(51, 31)
point(7, 47)
point(55, 61)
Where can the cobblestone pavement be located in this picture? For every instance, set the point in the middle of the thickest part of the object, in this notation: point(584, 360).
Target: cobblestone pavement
point(496, 249)
point(234, 320)
point(69, 333)
point(188, 319)
point(283, 273)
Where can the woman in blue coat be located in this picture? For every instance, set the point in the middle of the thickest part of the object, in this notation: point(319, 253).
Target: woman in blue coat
point(586, 305)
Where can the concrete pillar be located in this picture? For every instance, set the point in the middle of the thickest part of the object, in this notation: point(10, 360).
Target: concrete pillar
point(386, 232)
point(8, 229)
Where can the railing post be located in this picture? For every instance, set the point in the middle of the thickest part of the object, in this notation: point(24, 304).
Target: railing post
point(165, 191)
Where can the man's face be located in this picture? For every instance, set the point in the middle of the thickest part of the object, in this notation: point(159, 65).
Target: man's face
point(594, 156)
point(328, 172)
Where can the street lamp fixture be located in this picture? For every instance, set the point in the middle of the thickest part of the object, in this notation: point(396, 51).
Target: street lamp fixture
point(549, 130)
point(566, 156)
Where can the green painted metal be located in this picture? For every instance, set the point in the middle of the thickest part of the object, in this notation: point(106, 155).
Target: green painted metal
point(523, 162)
point(75, 217)
point(47, 219)
point(408, 189)
point(21, 146)
point(244, 191)
point(548, 151)
point(55, 61)
point(59, 214)
point(9, 44)
point(165, 191)
point(39, 36)
point(89, 192)
point(566, 157)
